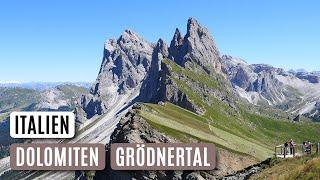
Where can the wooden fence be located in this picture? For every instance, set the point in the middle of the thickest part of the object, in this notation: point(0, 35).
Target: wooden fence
point(296, 150)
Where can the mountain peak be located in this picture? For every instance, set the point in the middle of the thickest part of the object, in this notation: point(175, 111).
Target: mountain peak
point(192, 22)
point(127, 39)
point(160, 41)
point(175, 49)
point(195, 29)
point(129, 35)
point(177, 39)
point(162, 47)
point(197, 46)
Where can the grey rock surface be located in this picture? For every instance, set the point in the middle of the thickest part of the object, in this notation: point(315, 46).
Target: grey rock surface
point(132, 65)
point(125, 65)
point(134, 129)
point(312, 78)
point(257, 78)
point(261, 84)
point(169, 91)
point(196, 46)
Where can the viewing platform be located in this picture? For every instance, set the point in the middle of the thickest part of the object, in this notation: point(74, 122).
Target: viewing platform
point(281, 151)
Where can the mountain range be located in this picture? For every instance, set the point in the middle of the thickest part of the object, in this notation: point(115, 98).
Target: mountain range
point(40, 86)
point(188, 91)
point(62, 97)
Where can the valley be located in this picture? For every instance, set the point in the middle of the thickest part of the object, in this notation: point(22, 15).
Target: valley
point(183, 92)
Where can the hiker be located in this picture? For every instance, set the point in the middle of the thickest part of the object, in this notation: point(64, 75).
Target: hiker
point(308, 147)
point(291, 144)
point(304, 150)
point(286, 144)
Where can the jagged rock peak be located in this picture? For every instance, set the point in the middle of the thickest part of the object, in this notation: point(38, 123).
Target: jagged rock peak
point(197, 46)
point(177, 38)
point(195, 29)
point(201, 48)
point(127, 39)
point(162, 47)
point(130, 39)
point(130, 35)
point(176, 49)
point(125, 66)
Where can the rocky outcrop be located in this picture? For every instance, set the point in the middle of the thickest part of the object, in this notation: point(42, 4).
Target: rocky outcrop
point(197, 46)
point(150, 86)
point(92, 105)
point(256, 81)
point(297, 118)
point(125, 66)
point(60, 98)
point(312, 78)
point(197, 52)
point(126, 62)
point(134, 129)
point(249, 171)
point(132, 68)
point(317, 105)
point(176, 49)
point(170, 91)
point(267, 84)
point(261, 84)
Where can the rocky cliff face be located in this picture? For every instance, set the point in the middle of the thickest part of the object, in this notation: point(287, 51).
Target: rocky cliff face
point(132, 69)
point(151, 85)
point(261, 84)
point(311, 77)
point(125, 66)
point(257, 82)
point(133, 128)
point(195, 52)
point(197, 46)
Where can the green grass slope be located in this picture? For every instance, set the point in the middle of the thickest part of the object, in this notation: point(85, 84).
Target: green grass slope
point(16, 98)
point(307, 167)
point(238, 129)
point(185, 125)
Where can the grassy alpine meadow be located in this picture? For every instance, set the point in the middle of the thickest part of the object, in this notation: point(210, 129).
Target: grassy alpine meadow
point(269, 127)
point(185, 125)
point(307, 167)
point(235, 129)
point(16, 98)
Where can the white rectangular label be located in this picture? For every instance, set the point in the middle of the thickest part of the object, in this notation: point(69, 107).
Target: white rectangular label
point(42, 125)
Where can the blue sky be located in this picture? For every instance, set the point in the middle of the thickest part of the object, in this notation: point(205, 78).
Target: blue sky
point(62, 40)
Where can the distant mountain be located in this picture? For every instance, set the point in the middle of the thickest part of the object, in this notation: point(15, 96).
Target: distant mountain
point(186, 92)
point(297, 92)
point(316, 72)
point(59, 98)
point(39, 86)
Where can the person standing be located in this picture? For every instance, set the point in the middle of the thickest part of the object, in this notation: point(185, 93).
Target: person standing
point(286, 144)
point(292, 144)
point(308, 147)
